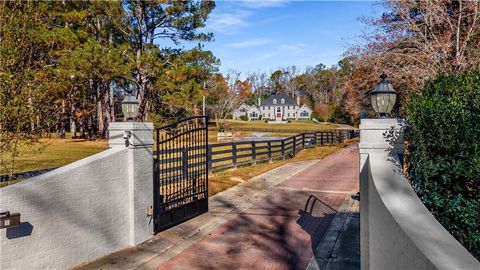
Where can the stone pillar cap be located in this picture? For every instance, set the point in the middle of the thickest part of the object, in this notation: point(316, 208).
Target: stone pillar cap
point(141, 134)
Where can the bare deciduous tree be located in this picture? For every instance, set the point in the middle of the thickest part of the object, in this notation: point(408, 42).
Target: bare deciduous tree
point(412, 42)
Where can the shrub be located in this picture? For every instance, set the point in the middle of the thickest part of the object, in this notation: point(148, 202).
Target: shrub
point(323, 112)
point(444, 153)
point(244, 118)
point(339, 115)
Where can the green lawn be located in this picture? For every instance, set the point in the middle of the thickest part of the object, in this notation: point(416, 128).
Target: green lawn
point(294, 126)
point(57, 152)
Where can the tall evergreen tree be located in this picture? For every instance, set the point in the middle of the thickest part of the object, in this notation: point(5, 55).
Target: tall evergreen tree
point(147, 22)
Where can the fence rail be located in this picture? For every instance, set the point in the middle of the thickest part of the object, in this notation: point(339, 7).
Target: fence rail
point(233, 154)
point(257, 129)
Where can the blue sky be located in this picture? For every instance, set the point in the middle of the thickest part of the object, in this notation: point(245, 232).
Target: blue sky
point(265, 35)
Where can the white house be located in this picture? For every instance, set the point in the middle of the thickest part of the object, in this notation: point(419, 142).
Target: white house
point(252, 112)
point(275, 108)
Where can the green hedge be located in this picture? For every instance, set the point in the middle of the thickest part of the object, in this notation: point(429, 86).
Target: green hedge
point(444, 153)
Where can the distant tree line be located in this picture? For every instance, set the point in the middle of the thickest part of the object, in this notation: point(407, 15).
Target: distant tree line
point(320, 87)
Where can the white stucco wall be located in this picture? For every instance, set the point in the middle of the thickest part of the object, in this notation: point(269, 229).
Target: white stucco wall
point(84, 210)
point(396, 230)
point(76, 213)
point(403, 234)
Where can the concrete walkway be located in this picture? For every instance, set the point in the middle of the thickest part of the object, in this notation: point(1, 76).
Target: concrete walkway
point(274, 221)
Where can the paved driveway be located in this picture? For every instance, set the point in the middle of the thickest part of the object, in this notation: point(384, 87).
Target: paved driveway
point(283, 229)
point(274, 221)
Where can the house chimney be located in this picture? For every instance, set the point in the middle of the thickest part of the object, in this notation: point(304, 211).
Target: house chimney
point(259, 101)
point(298, 100)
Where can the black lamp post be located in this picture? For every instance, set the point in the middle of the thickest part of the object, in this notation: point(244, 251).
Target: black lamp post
point(130, 107)
point(383, 97)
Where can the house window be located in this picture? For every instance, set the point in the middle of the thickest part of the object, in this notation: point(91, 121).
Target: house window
point(304, 114)
point(279, 110)
point(282, 101)
point(274, 101)
point(253, 115)
point(288, 114)
point(288, 107)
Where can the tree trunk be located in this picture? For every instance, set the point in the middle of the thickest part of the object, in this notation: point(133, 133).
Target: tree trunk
point(112, 104)
point(100, 120)
point(82, 127)
point(73, 124)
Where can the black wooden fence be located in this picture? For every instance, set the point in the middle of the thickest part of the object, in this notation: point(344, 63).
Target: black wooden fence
point(233, 154)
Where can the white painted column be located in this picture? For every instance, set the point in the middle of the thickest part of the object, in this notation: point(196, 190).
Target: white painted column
point(374, 138)
point(140, 173)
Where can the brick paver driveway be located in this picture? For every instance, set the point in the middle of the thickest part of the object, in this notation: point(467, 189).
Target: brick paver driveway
point(282, 230)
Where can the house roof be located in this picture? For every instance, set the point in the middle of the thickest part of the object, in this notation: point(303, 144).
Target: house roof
point(288, 100)
point(305, 107)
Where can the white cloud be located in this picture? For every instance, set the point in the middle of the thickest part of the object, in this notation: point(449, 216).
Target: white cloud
point(229, 22)
point(250, 43)
point(236, 13)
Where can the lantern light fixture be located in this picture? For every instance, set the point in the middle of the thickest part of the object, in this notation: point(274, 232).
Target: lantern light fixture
point(130, 107)
point(383, 97)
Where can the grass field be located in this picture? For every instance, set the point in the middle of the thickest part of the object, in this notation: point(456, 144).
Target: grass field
point(294, 126)
point(56, 153)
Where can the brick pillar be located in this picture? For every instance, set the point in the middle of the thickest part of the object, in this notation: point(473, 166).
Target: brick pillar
point(374, 139)
point(140, 173)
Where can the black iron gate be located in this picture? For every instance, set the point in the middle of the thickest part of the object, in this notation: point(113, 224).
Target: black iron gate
point(180, 181)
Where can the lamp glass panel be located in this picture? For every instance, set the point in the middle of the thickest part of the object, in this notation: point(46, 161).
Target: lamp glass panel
point(129, 110)
point(125, 110)
point(134, 109)
point(383, 101)
point(392, 100)
point(373, 99)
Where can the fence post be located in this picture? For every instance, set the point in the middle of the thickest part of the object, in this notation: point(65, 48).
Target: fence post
point(283, 149)
point(269, 146)
point(254, 153)
point(321, 138)
point(234, 155)
point(315, 138)
point(209, 159)
point(294, 145)
point(303, 140)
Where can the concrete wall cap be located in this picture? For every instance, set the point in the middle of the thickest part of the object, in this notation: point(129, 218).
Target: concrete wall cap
point(413, 218)
point(384, 123)
point(131, 126)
